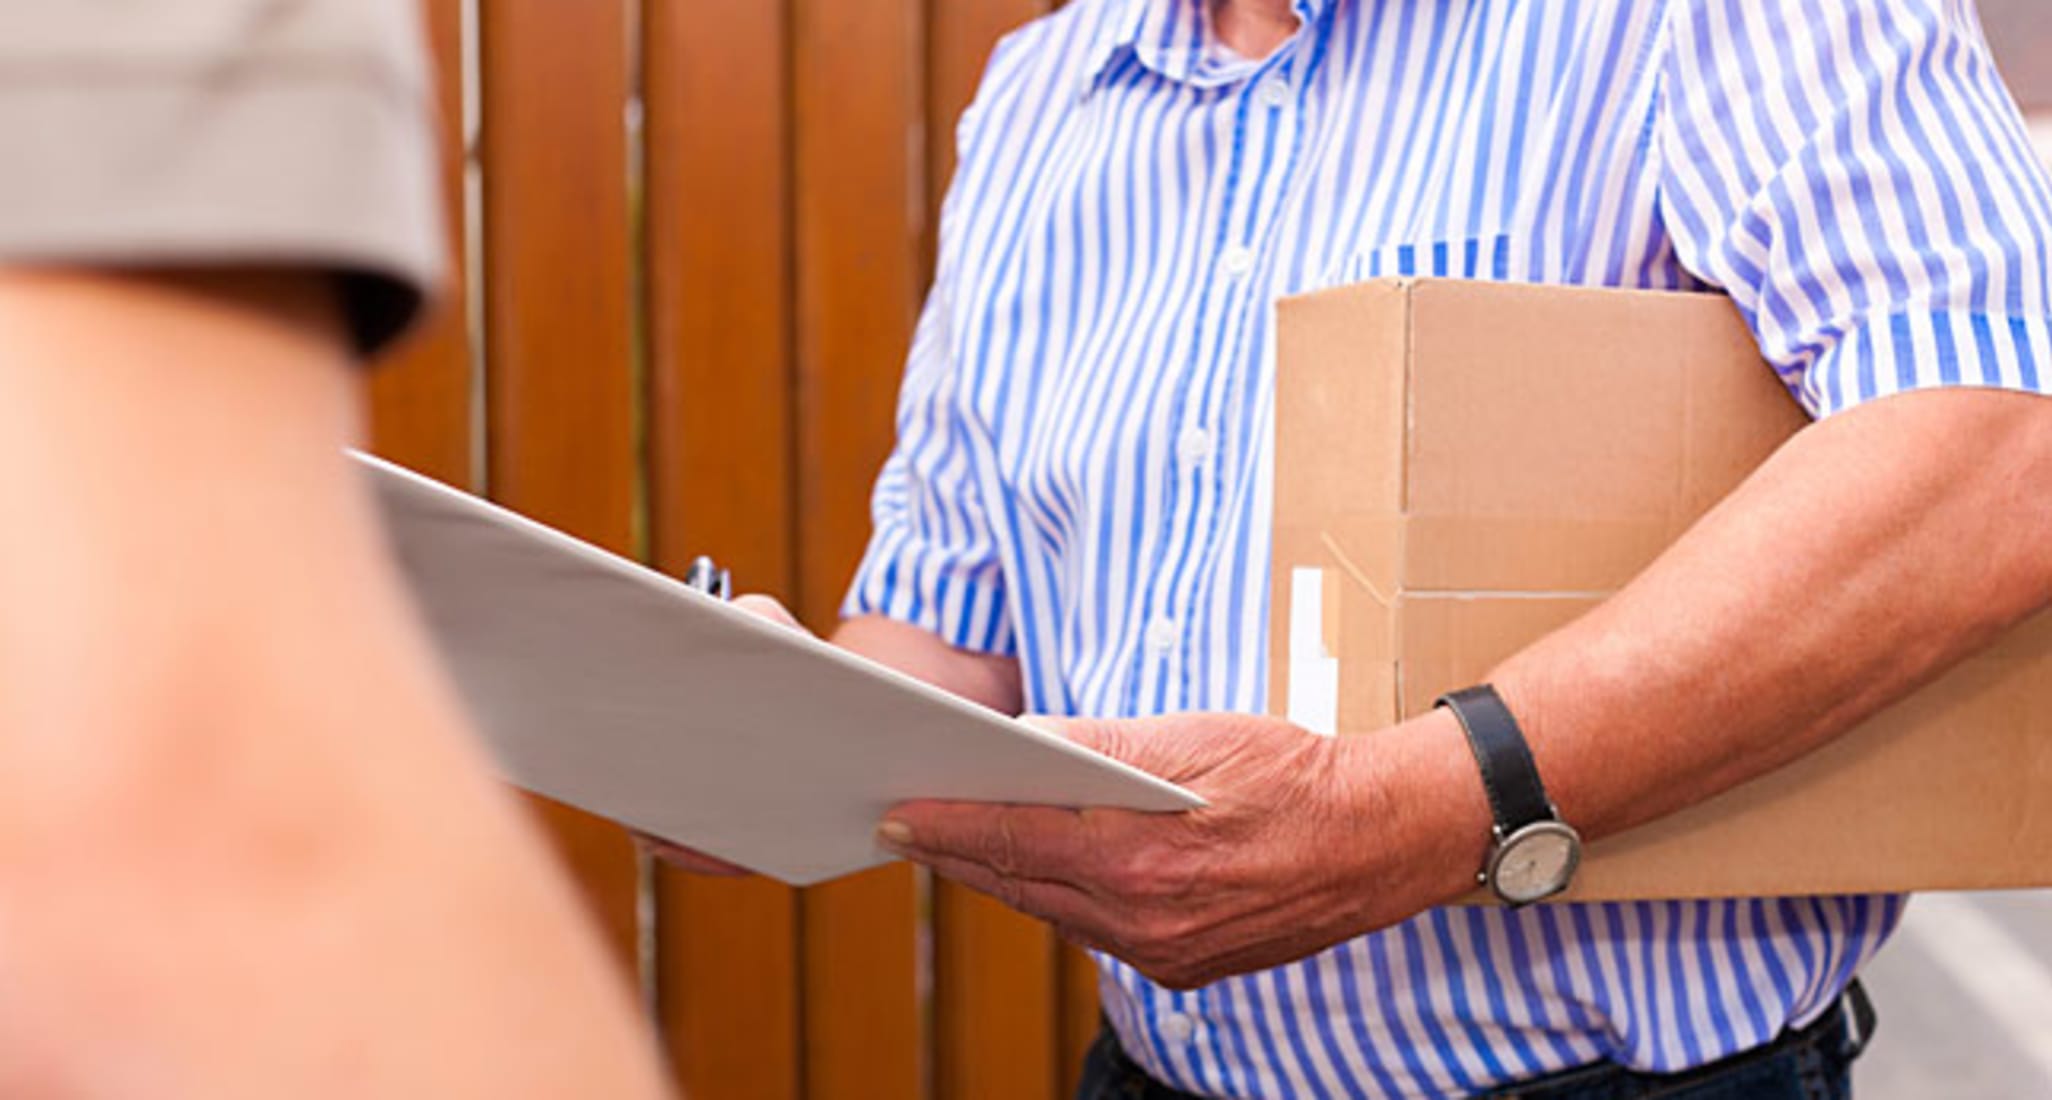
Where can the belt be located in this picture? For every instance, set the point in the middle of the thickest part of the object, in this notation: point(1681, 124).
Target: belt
point(1838, 1037)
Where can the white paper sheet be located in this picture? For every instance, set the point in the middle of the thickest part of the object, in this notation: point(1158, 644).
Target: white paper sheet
point(618, 690)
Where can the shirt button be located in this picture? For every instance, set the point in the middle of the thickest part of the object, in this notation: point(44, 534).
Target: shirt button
point(1193, 446)
point(1273, 92)
point(1236, 261)
point(1177, 1027)
point(1162, 635)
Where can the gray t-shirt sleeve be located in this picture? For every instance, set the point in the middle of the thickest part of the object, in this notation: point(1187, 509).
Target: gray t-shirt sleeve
point(294, 133)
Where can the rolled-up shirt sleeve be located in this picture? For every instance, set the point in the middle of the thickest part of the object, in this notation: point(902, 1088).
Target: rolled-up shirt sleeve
point(280, 133)
point(1856, 177)
point(932, 560)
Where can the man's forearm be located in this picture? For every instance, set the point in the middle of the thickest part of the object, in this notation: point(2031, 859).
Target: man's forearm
point(1872, 552)
point(978, 677)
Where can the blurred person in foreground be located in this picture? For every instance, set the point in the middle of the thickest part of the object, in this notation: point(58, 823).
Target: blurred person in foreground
point(247, 847)
point(1075, 519)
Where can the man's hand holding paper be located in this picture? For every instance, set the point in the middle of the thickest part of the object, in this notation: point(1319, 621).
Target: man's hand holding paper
point(1253, 880)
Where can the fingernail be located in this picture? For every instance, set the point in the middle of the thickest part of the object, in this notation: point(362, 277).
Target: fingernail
point(894, 834)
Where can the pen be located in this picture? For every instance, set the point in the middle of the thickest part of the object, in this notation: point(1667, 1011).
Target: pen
point(709, 578)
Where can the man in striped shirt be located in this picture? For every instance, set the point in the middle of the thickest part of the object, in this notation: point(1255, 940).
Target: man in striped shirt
point(1075, 520)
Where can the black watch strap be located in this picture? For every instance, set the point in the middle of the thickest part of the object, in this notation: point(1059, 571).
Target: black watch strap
point(1516, 796)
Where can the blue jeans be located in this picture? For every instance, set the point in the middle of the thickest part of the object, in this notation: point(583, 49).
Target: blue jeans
point(1814, 1063)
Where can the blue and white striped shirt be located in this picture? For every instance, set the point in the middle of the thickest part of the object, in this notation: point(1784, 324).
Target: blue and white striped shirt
point(1082, 469)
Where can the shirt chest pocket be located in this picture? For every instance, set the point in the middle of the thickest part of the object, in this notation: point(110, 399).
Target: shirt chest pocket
point(1486, 257)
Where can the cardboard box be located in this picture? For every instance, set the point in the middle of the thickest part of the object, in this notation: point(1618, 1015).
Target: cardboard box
point(1462, 467)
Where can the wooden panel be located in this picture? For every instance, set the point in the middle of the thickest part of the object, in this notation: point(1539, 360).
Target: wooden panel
point(865, 1030)
point(995, 972)
point(859, 199)
point(1079, 1014)
point(559, 400)
point(860, 211)
point(718, 116)
point(994, 1001)
point(420, 397)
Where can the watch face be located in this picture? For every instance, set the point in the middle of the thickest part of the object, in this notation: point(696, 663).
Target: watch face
point(1536, 862)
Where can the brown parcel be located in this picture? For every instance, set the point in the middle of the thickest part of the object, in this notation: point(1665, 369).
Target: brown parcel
point(1462, 467)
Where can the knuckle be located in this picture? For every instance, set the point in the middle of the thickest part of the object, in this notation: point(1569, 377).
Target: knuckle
point(1001, 849)
point(1138, 876)
point(1167, 930)
point(1123, 878)
point(1154, 876)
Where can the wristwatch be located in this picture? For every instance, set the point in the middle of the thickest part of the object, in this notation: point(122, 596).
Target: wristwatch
point(1533, 853)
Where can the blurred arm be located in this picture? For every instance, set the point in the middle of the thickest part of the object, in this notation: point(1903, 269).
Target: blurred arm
point(246, 846)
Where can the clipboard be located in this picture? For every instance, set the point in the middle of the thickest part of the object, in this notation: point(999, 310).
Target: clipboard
point(622, 691)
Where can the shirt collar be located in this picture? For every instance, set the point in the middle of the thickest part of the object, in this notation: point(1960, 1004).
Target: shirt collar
point(1167, 36)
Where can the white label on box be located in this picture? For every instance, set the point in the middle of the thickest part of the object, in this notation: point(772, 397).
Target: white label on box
point(1314, 673)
